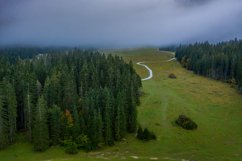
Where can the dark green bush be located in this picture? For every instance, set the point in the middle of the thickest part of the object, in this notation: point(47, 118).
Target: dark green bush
point(82, 141)
point(186, 123)
point(70, 146)
point(172, 76)
point(145, 135)
point(140, 133)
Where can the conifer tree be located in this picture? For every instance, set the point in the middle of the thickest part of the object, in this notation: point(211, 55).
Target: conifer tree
point(120, 119)
point(94, 128)
point(55, 124)
point(107, 118)
point(40, 129)
point(11, 107)
point(30, 101)
point(3, 128)
point(76, 127)
point(132, 111)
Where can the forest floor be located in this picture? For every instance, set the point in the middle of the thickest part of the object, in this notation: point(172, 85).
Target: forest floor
point(213, 105)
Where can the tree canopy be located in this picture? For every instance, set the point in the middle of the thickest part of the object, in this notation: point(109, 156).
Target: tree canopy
point(221, 61)
point(66, 94)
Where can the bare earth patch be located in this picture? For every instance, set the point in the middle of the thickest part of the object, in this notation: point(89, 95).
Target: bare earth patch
point(153, 158)
point(134, 157)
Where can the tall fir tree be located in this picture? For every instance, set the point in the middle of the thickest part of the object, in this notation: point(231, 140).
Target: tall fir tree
point(3, 128)
point(11, 105)
point(107, 118)
point(55, 125)
point(40, 129)
point(120, 119)
point(132, 111)
point(76, 131)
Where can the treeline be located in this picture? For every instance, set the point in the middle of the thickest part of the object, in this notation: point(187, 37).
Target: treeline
point(82, 97)
point(222, 61)
point(14, 53)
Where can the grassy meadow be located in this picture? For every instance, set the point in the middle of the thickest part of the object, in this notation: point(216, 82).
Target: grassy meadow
point(213, 105)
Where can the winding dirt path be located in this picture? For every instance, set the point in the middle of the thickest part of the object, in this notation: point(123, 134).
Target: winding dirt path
point(149, 70)
point(171, 59)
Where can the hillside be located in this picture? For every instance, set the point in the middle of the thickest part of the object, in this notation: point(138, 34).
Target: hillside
point(213, 105)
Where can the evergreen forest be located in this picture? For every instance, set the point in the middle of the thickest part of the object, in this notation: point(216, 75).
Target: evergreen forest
point(66, 96)
point(221, 61)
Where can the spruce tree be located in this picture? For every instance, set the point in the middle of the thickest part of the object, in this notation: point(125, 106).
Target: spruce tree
point(69, 91)
point(40, 129)
point(107, 118)
point(12, 111)
point(9, 110)
point(76, 131)
point(55, 125)
point(120, 119)
point(30, 104)
point(3, 131)
point(94, 128)
point(132, 111)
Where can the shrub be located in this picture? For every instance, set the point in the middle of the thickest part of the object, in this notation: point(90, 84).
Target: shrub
point(82, 141)
point(152, 136)
point(186, 123)
point(172, 76)
point(145, 135)
point(140, 133)
point(70, 146)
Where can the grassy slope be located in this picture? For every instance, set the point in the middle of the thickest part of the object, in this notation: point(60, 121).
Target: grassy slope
point(215, 106)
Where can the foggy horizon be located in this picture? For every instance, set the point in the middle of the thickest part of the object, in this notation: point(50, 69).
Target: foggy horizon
point(118, 24)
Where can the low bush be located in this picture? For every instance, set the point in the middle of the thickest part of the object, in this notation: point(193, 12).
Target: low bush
point(186, 123)
point(145, 134)
point(172, 76)
point(82, 141)
point(70, 146)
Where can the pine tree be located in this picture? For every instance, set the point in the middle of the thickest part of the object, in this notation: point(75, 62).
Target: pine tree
point(30, 104)
point(84, 75)
point(107, 118)
point(9, 110)
point(76, 127)
point(52, 90)
point(40, 129)
point(132, 111)
point(11, 106)
point(55, 124)
point(94, 128)
point(99, 125)
point(3, 131)
point(69, 92)
point(239, 74)
point(120, 119)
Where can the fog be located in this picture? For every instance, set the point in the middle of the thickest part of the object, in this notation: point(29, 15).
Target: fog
point(118, 23)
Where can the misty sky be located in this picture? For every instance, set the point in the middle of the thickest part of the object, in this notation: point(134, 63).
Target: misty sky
point(118, 23)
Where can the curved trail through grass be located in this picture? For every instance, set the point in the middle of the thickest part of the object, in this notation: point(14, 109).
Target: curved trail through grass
point(149, 70)
point(171, 59)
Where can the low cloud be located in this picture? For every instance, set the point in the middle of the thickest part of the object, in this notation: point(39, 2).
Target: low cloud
point(115, 23)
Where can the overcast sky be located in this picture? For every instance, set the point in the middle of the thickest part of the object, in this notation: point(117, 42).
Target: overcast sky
point(118, 23)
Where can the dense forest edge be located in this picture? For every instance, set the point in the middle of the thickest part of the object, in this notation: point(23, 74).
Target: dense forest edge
point(221, 61)
point(77, 98)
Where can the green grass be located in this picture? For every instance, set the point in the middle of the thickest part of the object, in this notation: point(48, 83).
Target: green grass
point(213, 105)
